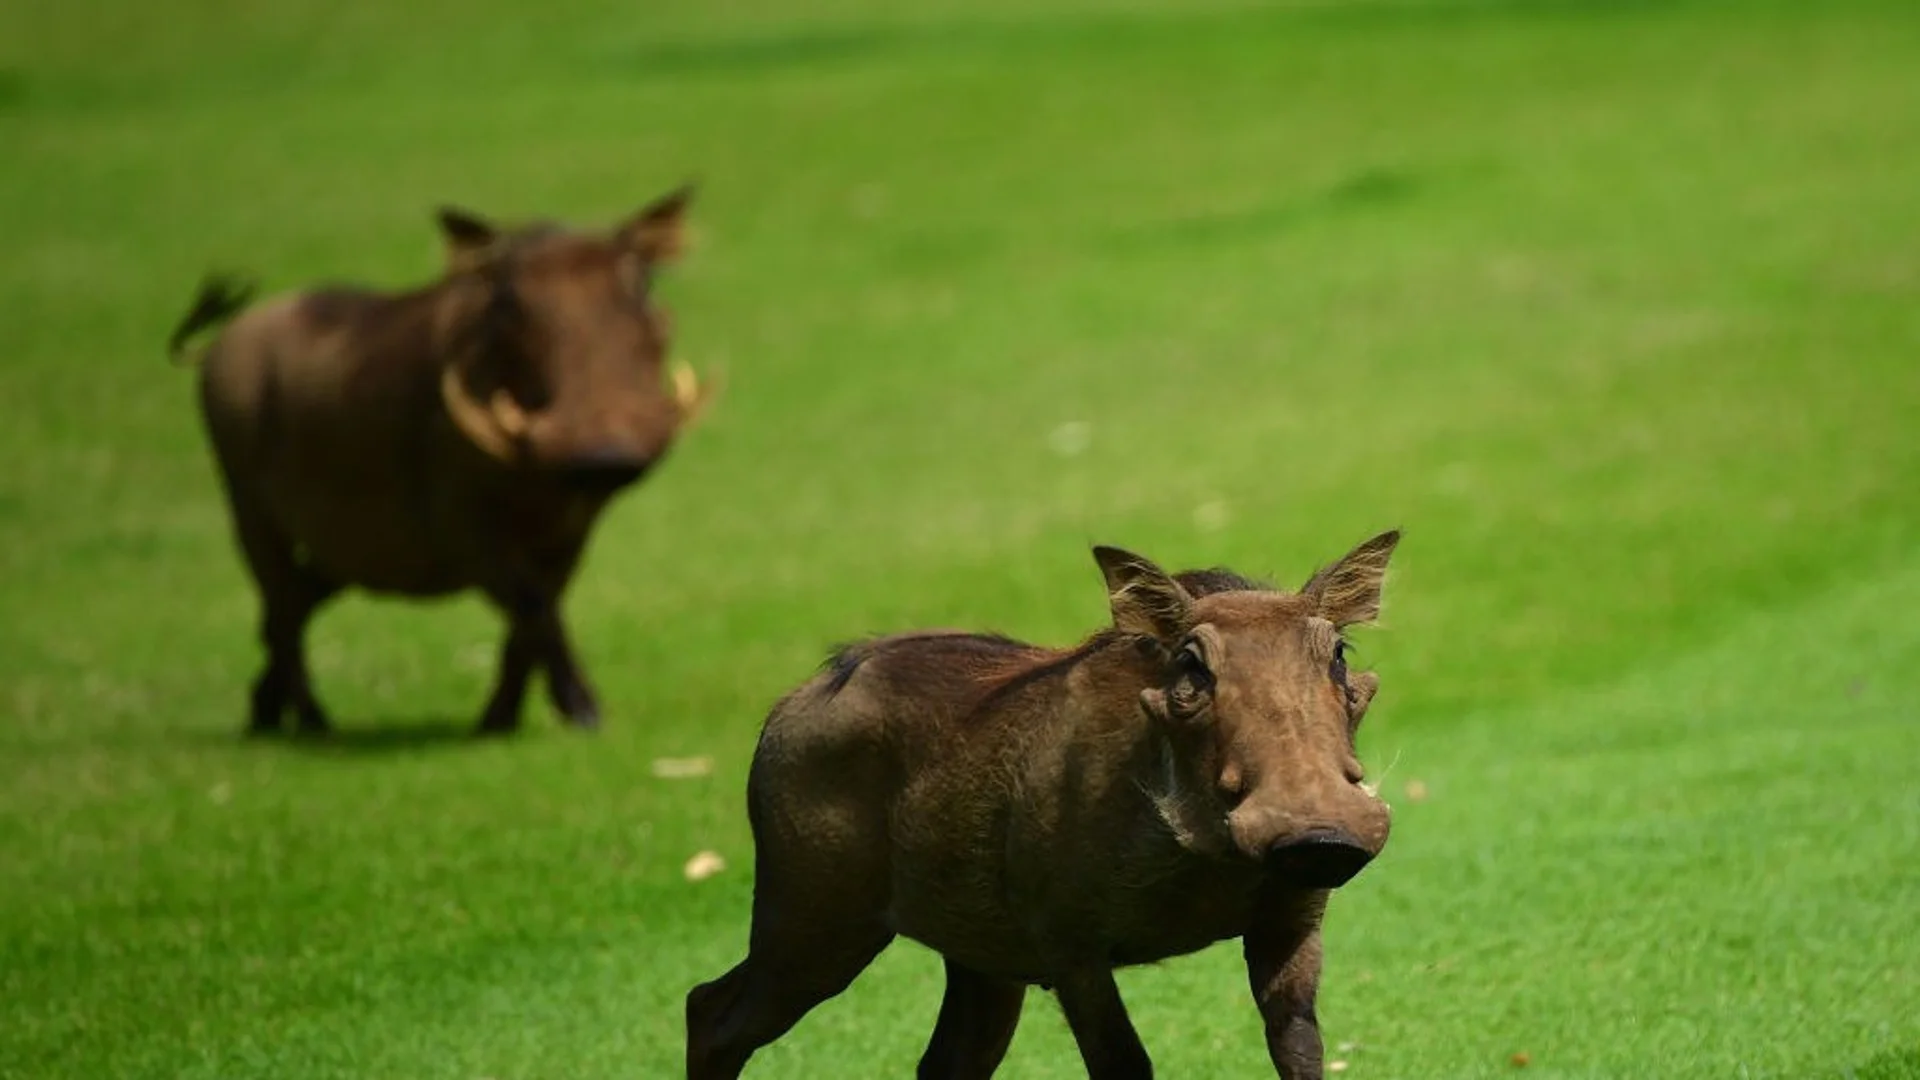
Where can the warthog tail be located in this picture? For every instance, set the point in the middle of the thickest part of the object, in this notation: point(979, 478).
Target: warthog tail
point(220, 297)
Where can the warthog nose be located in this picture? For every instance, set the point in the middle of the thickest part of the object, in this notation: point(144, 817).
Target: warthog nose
point(1319, 858)
point(604, 471)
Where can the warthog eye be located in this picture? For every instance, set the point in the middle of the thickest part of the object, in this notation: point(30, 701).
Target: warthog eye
point(1337, 670)
point(1192, 680)
point(502, 301)
point(1193, 662)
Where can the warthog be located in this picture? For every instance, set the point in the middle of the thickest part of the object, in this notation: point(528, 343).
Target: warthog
point(1043, 816)
point(462, 435)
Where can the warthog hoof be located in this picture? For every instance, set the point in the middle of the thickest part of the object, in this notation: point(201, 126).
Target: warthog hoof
point(581, 712)
point(575, 703)
point(497, 723)
point(311, 722)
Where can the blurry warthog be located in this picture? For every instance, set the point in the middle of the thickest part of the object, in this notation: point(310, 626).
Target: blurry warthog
point(462, 435)
point(1043, 816)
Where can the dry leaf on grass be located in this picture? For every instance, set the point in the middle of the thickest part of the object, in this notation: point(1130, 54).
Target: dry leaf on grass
point(682, 768)
point(704, 865)
point(1521, 1060)
point(1071, 439)
point(1212, 515)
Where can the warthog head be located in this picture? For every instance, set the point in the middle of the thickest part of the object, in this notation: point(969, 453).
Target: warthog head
point(1259, 710)
point(558, 348)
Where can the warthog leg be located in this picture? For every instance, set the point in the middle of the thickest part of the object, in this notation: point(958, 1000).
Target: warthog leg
point(290, 593)
point(527, 620)
point(788, 970)
point(1098, 1018)
point(285, 680)
point(536, 638)
point(977, 1018)
point(1283, 967)
point(567, 688)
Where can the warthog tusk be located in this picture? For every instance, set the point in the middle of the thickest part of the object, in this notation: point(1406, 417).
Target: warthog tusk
point(509, 415)
point(691, 396)
point(497, 428)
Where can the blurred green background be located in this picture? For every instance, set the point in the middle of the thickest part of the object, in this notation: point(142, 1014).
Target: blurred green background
point(1612, 307)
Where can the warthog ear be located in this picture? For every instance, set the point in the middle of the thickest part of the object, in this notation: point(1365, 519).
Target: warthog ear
point(1145, 599)
point(468, 235)
point(659, 233)
point(1349, 591)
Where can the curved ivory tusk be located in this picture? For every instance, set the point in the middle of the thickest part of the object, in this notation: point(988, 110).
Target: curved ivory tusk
point(690, 396)
point(508, 414)
point(496, 428)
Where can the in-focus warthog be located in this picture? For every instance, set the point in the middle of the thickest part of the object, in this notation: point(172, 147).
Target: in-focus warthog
point(462, 435)
point(1043, 816)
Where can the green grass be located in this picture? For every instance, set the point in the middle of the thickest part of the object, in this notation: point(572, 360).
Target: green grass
point(1614, 308)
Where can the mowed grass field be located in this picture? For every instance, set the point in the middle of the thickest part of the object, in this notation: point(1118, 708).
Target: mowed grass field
point(1614, 308)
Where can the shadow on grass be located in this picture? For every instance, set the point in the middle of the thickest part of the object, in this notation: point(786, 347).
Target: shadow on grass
point(1891, 1065)
point(13, 89)
point(374, 736)
point(845, 45)
point(1363, 190)
point(737, 55)
point(385, 737)
point(367, 738)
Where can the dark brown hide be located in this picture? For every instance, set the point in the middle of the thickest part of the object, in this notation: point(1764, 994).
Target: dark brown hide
point(1043, 816)
point(464, 435)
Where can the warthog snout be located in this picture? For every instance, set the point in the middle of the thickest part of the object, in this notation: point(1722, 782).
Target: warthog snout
point(603, 472)
point(1319, 858)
